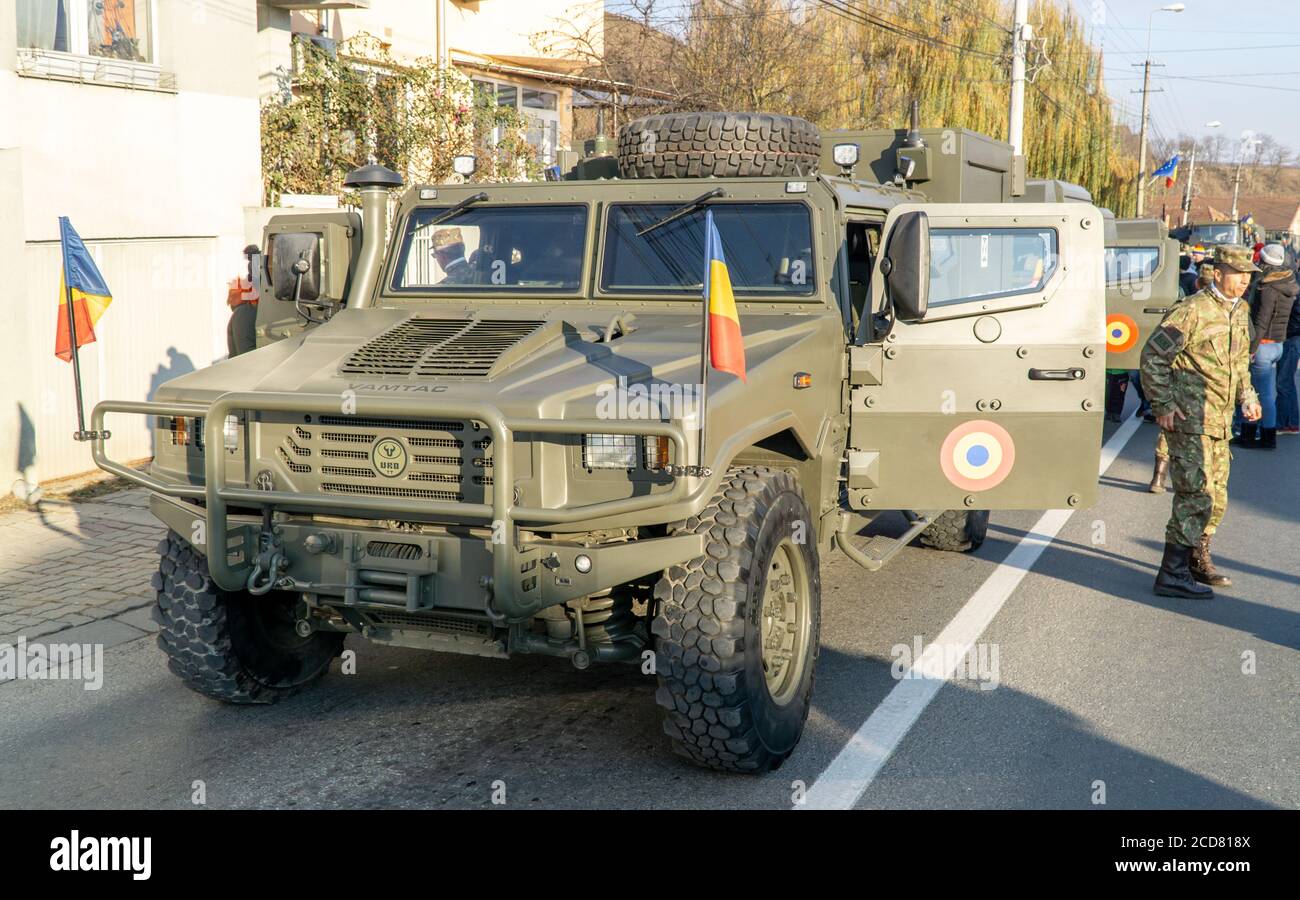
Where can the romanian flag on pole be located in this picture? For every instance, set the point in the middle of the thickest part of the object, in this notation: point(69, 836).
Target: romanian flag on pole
point(726, 347)
point(1169, 170)
point(90, 296)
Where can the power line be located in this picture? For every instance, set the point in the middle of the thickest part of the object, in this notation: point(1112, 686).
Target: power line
point(846, 10)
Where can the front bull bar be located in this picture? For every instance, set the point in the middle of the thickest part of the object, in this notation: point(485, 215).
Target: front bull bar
point(502, 515)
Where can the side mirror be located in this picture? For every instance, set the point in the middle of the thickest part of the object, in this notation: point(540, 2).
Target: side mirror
point(294, 266)
point(906, 266)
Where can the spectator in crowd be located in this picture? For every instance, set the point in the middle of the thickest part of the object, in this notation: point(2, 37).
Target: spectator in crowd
point(1270, 312)
point(1288, 403)
point(242, 298)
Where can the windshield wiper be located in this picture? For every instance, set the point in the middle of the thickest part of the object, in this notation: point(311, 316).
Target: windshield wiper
point(457, 209)
point(682, 210)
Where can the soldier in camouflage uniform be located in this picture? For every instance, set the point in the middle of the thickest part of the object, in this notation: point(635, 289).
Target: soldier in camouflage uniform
point(449, 250)
point(1195, 370)
point(1204, 278)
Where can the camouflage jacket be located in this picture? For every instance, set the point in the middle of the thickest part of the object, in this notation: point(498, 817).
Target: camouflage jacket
point(1198, 360)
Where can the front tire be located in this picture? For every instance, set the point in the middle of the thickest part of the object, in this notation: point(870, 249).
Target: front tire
point(738, 629)
point(232, 646)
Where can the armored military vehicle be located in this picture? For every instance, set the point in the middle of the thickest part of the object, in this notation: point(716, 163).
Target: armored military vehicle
point(1141, 285)
point(501, 437)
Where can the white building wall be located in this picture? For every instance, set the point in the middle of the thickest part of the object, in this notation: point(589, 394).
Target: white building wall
point(157, 183)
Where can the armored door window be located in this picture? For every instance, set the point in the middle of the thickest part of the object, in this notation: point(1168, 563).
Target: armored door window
point(986, 263)
point(1125, 265)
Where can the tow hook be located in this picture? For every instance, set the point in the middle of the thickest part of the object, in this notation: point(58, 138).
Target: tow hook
point(274, 570)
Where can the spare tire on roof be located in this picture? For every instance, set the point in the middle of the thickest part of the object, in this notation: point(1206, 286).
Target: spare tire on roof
point(725, 145)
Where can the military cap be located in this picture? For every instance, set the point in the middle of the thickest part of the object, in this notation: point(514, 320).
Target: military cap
point(445, 237)
point(1235, 256)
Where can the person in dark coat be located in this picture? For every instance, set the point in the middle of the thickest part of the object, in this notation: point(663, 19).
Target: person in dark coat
point(1270, 311)
point(1288, 402)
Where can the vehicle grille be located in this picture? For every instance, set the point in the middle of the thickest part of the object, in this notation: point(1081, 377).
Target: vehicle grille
point(439, 347)
point(446, 459)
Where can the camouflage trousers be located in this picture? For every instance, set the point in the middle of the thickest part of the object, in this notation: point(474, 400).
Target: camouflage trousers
point(1162, 445)
point(1198, 467)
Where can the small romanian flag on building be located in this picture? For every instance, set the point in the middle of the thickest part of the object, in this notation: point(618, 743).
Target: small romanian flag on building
point(726, 346)
point(90, 296)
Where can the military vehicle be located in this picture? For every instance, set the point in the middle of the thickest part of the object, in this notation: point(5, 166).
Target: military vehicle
point(1210, 234)
point(1141, 285)
point(501, 437)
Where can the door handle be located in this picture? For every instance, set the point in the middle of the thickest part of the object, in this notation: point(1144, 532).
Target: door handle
point(1071, 374)
point(1156, 310)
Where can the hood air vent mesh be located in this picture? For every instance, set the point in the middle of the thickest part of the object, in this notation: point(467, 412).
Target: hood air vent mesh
point(439, 347)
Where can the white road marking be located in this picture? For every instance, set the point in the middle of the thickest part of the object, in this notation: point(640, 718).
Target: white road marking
point(854, 768)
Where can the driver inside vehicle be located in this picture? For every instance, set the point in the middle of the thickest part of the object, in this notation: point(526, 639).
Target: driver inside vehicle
point(449, 250)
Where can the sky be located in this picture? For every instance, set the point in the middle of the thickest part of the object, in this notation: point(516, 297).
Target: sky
point(1263, 67)
point(1253, 45)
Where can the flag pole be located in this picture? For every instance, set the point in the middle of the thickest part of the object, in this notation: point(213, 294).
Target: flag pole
point(81, 434)
point(704, 340)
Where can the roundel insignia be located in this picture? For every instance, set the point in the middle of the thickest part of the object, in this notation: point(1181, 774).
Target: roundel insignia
point(1121, 333)
point(389, 458)
point(977, 455)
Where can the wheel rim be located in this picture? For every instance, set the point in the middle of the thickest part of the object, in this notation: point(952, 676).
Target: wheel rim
point(784, 620)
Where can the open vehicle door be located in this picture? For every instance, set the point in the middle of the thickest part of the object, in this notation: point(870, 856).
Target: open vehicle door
point(986, 350)
point(1141, 285)
point(307, 262)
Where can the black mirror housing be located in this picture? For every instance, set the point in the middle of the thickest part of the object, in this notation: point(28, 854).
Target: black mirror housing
point(906, 267)
point(285, 251)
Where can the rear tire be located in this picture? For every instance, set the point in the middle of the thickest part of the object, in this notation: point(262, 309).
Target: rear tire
point(737, 630)
point(232, 646)
point(724, 145)
point(957, 530)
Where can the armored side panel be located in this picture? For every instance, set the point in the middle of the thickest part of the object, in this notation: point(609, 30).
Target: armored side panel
point(1054, 191)
point(1141, 285)
point(954, 166)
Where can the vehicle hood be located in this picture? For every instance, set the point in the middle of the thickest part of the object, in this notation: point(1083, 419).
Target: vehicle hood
point(560, 368)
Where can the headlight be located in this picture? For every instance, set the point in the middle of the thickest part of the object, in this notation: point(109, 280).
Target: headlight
point(610, 451)
point(624, 451)
point(232, 433)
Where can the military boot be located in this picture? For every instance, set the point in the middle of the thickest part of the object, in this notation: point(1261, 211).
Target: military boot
point(1249, 437)
point(1202, 566)
point(1157, 485)
point(1175, 576)
point(1116, 394)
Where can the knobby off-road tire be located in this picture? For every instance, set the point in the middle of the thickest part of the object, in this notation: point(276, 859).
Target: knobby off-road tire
point(729, 701)
point(725, 145)
point(957, 530)
point(232, 646)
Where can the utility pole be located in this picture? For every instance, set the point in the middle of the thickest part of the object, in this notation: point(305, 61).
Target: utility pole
point(1146, 108)
point(1246, 141)
point(1187, 192)
point(1142, 138)
point(1016, 118)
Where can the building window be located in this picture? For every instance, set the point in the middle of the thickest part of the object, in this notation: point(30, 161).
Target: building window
point(540, 111)
point(113, 29)
point(540, 99)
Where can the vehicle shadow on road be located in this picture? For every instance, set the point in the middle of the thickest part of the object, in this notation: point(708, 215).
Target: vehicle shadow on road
point(1131, 578)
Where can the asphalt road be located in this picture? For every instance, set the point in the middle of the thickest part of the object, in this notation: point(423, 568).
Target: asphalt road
point(1100, 687)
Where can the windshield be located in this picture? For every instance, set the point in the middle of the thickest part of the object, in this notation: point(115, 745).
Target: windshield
point(768, 247)
point(515, 248)
point(1224, 233)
